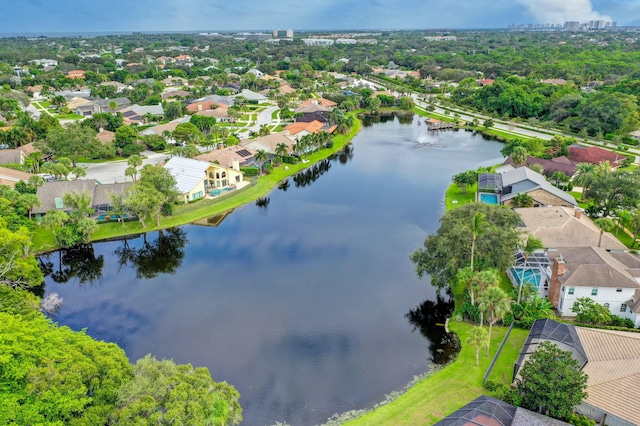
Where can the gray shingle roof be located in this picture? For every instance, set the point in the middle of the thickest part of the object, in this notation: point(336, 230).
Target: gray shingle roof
point(524, 179)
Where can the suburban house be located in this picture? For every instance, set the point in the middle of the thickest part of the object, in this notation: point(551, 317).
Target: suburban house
point(250, 95)
point(176, 94)
point(231, 156)
point(10, 177)
point(488, 411)
point(106, 136)
point(564, 227)
point(160, 129)
point(222, 101)
point(175, 81)
point(299, 129)
point(500, 188)
point(611, 360)
point(196, 106)
point(554, 81)
point(594, 155)
point(51, 194)
point(549, 167)
point(313, 112)
point(89, 107)
point(268, 143)
point(139, 113)
point(12, 156)
point(319, 101)
point(120, 87)
point(609, 278)
point(75, 74)
point(221, 114)
point(194, 178)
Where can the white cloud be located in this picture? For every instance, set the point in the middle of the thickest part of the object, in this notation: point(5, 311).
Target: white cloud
point(559, 11)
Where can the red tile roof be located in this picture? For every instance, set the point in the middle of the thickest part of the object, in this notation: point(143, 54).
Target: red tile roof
point(594, 155)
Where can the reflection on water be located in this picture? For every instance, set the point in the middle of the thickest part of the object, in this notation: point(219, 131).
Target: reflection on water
point(161, 256)
point(312, 174)
point(79, 262)
point(429, 318)
point(302, 305)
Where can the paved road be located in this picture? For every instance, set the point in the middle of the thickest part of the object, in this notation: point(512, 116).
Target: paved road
point(264, 117)
point(113, 172)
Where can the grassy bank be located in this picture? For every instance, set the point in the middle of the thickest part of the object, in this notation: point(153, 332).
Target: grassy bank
point(441, 393)
point(44, 240)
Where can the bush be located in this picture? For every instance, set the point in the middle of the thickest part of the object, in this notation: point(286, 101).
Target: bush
point(289, 159)
point(250, 171)
point(470, 312)
point(267, 168)
point(329, 144)
point(579, 420)
point(503, 392)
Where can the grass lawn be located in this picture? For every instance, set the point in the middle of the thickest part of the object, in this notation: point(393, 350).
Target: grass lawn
point(622, 236)
point(578, 196)
point(43, 239)
point(68, 117)
point(441, 393)
point(454, 193)
point(274, 114)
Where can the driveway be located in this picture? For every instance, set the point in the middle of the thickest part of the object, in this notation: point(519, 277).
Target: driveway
point(264, 117)
point(113, 172)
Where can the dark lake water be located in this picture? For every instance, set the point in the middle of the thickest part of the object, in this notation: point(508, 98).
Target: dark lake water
point(306, 301)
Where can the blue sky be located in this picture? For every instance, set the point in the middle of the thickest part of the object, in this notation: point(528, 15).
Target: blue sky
point(193, 15)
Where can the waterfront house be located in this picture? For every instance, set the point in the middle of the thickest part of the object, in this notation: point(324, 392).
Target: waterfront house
point(195, 178)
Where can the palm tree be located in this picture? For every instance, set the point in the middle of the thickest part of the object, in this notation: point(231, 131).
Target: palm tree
point(478, 337)
point(134, 162)
point(604, 224)
point(482, 280)
point(282, 149)
point(261, 156)
point(131, 172)
point(479, 226)
point(585, 174)
point(54, 218)
point(112, 105)
point(495, 303)
point(531, 245)
point(519, 156)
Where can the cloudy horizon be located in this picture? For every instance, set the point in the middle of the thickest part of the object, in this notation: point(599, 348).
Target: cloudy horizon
point(32, 16)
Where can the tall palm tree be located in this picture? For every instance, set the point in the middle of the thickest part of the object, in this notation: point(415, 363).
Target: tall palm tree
point(604, 224)
point(480, 282)
point(478, 337)
point(479, 226)
point(261, 156)
point(495, 303)
point(585, 174)
point(282, 149)
point(531, 245)
point(519, 156)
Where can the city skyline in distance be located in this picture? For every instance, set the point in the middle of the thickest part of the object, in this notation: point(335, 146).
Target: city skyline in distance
point(75, 16)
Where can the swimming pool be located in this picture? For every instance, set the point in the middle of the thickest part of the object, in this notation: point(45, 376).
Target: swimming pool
point(489, 198)
point(530, 276)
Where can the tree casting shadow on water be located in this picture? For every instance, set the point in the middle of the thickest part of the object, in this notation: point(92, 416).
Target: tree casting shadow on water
point(429, 318)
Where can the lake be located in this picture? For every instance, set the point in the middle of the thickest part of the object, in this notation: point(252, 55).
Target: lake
point(305, 301)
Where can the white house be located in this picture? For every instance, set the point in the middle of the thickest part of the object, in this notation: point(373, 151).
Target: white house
point(194, 178)
point(609, 278)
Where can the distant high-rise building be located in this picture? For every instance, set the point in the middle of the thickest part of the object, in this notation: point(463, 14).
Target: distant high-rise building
point(283, 33)
point(572, 25)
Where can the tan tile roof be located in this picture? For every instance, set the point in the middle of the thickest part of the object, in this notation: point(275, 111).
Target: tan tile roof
point(106, 136)
point(318, 101)
point(10, 176)
point(268, 143)
point(219, 112)
point(226, 156)
point(312, 127)
point(613, 370)
point(558, 227)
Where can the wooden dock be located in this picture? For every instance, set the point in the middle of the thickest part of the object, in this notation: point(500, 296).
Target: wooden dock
point(433, 124)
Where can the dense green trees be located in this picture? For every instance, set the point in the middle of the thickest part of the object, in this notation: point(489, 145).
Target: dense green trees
point(449, 249)
point(72, 142)
point(551, 382)
point(164, 393)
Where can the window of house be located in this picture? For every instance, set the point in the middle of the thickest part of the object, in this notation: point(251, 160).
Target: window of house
point(594, 291)
point(618, 290)
point(572, 290)
point(623, 307)
point(606, 305)
point(237, 178)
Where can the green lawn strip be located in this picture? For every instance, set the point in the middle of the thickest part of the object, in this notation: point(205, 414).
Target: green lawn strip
point(578, 196)
point(503, 368)
point(274, 114)
point(623, 237)
point(454, 193)
point(43, 239)
point(446, 390)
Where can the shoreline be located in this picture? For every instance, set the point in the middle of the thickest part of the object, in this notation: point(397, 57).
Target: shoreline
point(44, 240)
